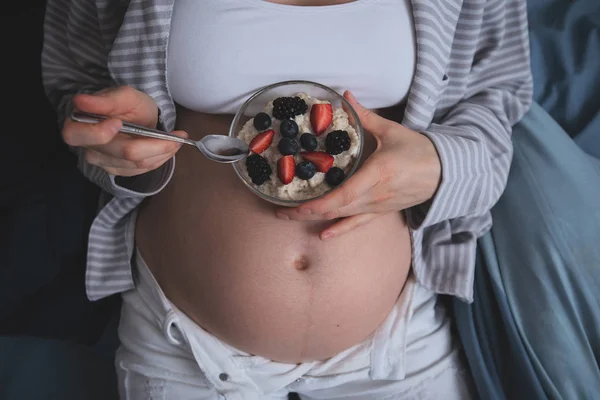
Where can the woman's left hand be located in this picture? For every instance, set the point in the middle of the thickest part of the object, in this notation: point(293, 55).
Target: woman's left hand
point(403, 171)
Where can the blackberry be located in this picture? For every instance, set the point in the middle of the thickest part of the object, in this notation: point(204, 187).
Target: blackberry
point(259, 169)
point(337, 142)
point(288, 107)
point(308, 141)
point(334, 176)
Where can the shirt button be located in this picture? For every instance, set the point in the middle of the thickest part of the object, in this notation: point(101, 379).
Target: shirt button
point(223, 376)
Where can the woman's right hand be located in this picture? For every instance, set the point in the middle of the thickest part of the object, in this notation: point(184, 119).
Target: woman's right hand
point(118, 153)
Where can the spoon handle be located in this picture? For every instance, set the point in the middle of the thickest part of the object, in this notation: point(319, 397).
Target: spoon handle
point(130, 128)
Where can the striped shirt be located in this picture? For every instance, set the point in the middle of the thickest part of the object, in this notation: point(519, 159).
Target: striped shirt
point(472, 83)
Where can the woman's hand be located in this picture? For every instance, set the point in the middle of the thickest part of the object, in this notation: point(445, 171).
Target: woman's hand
point(402, 172)
point(117, 153)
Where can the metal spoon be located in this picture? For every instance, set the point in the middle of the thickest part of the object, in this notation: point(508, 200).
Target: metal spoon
point(219, 148)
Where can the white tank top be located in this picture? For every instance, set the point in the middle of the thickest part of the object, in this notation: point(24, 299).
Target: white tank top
point(222, 51)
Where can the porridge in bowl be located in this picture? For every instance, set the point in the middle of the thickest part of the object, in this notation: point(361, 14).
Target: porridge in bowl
point(301, 147)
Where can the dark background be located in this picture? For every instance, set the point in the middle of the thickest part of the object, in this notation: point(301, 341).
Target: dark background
point(46, 206)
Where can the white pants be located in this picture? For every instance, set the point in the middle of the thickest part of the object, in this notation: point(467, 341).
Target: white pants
point(165, 355)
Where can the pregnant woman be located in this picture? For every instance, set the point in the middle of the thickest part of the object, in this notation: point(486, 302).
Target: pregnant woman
point(225, 295)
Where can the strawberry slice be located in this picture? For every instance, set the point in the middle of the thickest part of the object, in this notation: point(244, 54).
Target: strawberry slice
point(321, 116)
point(262, 141)
point(322, 160)
point(286, 169)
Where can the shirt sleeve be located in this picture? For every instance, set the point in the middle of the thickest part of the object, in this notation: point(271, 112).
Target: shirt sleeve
point(75, 60)
point(473, 138)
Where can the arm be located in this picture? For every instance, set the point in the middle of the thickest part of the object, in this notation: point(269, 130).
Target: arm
point(74, 60)
point(458, 167)
point(473, 138)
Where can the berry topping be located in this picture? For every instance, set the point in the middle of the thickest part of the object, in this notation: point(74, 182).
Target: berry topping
point(262, 141)
point(308, 141)
point(321, 116)
point(335, 176)
point(337, 142)
point(286, 168)
point(288, 146)
point(262, 121)
point(288, 107)
point(305, 170)
point(288, 128)
point(259, 169)
point(322, 160)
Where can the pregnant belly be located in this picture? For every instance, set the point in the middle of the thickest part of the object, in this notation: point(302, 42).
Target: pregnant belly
point(266, 286)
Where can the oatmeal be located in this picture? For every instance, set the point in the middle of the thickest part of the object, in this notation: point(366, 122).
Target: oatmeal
point(301, 147)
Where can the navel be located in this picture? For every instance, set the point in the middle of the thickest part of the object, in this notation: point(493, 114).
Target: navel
point(301, 263)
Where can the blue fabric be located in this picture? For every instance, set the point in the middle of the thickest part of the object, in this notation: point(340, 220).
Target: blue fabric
point(565, 58)
point(533, 329)
point(36, 369)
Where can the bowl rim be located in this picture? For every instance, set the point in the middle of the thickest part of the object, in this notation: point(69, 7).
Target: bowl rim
point(240, 112)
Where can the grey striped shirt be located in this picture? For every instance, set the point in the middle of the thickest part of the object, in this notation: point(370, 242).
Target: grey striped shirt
point(472, 83)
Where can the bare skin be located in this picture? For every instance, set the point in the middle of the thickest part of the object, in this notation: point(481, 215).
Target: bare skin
point(266, 286)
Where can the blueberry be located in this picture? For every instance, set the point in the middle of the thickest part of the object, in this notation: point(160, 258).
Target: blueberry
point(288, 128)
point(288, 146)
point(335, 176)
point(262, 121)
point(305, 170)
point(308, 141)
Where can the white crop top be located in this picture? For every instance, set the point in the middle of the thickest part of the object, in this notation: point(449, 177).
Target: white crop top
point(222, 51)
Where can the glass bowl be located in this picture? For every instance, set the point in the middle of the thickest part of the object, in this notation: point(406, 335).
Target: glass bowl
point(257, 102)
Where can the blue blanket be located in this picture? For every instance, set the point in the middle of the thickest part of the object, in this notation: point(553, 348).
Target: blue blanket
point(532, 331)
point(565, 59)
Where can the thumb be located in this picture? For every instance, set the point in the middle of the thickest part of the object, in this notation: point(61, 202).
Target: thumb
point(105, 102)
point(371, 122)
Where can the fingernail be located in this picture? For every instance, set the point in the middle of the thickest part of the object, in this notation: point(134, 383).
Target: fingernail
point(101, 92)
point(327, 235)
point(282, 216)
point(351, 95)
point(305, 211)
